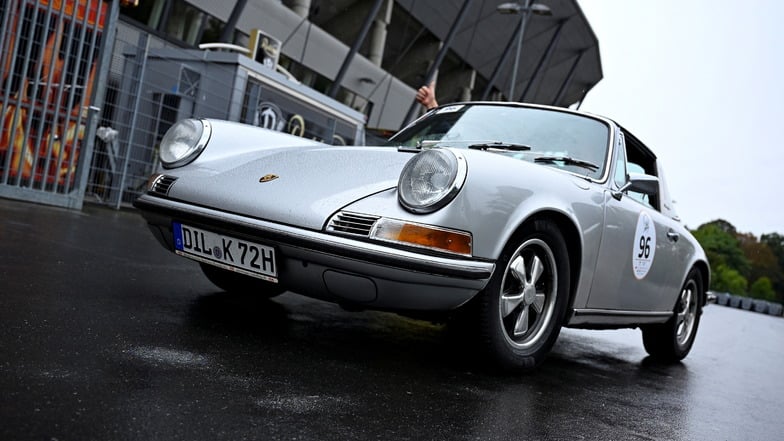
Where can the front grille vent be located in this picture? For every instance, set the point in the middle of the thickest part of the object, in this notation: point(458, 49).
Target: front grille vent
point(352, 223)
point(162, 185)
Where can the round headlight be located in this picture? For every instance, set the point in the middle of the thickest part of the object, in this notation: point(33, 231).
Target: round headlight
point(430, 180)
point(183, 142)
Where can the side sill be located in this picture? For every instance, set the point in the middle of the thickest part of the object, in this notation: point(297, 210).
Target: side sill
point(611, 318)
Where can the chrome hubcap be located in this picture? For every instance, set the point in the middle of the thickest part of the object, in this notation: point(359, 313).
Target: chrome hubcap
point(528, 293)
point(686, 312)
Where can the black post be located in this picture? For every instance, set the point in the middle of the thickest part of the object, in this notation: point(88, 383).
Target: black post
point(227, 33)
point(568, 81)
point(501, 62)
point(335, 86)
point(545, 57)
point(439, 57)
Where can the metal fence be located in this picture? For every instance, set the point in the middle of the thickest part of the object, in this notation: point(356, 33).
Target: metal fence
point(86, 96)
point(52, 57)
point(124, 153)
point(152, 83)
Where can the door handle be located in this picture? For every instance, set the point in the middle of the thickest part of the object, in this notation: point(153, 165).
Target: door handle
point(673, 236)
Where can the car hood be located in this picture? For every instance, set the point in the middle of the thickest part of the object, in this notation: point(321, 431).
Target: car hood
point(296, 186)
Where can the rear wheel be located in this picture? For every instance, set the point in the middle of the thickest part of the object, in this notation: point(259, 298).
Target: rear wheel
point(673, 340)
point(521, 310)
point(237, 283)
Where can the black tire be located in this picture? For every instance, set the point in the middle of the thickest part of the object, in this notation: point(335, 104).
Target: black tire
point(521, 310)
point(241, 284)
point(672, 341)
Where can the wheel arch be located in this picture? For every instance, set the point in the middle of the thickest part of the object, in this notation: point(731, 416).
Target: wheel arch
point(571, 236)
point(704, 271)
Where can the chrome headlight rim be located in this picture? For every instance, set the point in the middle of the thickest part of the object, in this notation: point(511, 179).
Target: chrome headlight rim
point(194, 147)
point(447, 192)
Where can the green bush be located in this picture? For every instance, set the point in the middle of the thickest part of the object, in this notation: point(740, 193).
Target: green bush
point(762, 288)
point(726, 279)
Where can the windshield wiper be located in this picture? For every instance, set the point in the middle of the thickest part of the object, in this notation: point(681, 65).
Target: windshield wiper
point(568, 160)
point(498, 145)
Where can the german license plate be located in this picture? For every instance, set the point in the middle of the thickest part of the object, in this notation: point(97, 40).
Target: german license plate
point(227, 252)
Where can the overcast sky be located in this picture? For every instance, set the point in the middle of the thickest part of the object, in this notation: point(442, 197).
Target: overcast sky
point(701, 82)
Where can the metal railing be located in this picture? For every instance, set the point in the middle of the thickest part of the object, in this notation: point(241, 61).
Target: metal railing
point(87, 96)
point(53, 53)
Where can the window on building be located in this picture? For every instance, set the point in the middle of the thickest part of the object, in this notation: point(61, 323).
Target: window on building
point(178, 20)
point(184, 22)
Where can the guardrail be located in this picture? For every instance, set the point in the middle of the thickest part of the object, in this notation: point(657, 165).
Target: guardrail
point(746, 303)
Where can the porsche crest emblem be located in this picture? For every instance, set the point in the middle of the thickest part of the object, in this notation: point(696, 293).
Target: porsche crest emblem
point(267, 178)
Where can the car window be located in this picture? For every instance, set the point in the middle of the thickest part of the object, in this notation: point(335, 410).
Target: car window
point(640, 197)
point(622, 170)
point(548, 133)
point(639, 159)
point(621, 175)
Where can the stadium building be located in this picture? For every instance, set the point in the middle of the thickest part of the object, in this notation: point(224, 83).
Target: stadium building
point(89, 87)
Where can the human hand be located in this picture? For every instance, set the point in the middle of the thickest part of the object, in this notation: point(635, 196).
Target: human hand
point(426, 95)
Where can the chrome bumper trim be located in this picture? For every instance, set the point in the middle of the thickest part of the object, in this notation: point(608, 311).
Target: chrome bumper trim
point(160, 211)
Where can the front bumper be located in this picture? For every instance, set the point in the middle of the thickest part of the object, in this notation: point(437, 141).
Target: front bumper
point(336, 268)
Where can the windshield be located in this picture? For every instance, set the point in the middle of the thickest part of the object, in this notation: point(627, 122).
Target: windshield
point(575, 143)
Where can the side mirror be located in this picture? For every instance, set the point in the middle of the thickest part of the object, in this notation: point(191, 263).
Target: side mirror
point(645, 184)
point(640, 183)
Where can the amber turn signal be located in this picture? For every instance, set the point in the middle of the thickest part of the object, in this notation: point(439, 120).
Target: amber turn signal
point(425, 236)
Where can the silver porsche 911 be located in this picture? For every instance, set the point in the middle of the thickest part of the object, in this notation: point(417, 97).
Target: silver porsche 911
point(512, 220)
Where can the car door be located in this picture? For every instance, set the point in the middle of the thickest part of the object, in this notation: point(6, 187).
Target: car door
point(633, 271)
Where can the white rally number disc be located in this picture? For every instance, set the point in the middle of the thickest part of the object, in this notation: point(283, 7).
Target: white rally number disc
point(644, 246)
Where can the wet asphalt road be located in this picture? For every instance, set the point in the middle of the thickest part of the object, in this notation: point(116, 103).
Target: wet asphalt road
point(106, 336)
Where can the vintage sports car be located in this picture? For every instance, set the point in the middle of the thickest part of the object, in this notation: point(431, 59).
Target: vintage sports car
point(512, 220)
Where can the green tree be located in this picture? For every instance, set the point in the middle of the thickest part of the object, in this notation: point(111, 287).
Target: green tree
point(718, 239)
point(726, 279)
point(724, 226)
point(764, 264)
point(762, 288)
point(775, 243)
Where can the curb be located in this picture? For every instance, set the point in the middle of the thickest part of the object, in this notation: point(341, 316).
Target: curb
point(746, 303)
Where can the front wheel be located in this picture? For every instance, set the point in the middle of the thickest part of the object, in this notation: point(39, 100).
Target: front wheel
point(673, 340)
point(521, 310)
point(237, 283)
